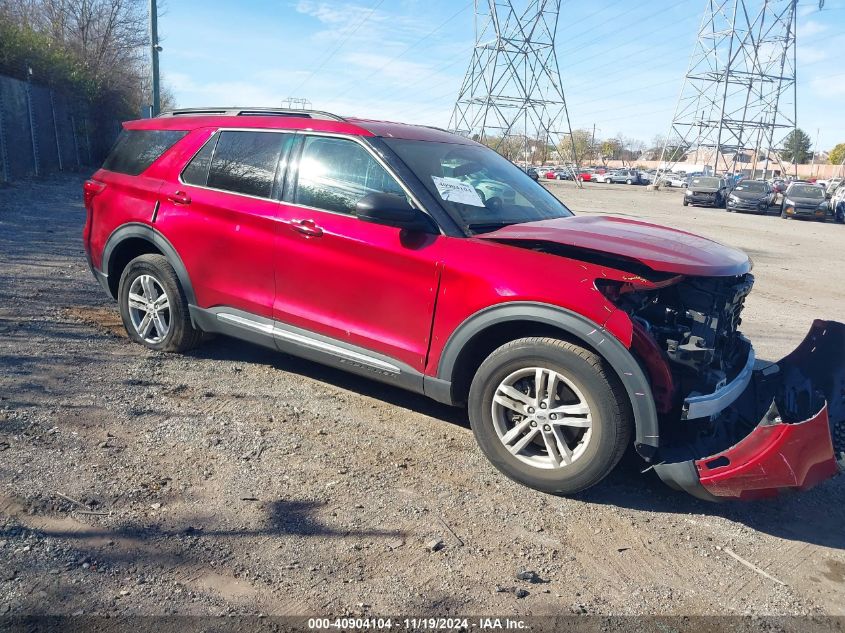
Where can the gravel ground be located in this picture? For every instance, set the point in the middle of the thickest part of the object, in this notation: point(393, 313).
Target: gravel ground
point(236, 480)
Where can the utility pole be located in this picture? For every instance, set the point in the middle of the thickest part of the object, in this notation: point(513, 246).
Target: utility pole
point(154, 51)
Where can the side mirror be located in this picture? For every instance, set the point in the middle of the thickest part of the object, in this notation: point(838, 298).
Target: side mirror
point(392, 210)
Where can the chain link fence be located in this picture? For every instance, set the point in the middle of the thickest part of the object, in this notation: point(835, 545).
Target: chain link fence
point(43, 132)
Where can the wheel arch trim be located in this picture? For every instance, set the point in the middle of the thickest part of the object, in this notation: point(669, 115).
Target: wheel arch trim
point(149, 234)
point(612, 350)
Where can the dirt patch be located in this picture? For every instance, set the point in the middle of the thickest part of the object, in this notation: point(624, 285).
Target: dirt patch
point(104, 318)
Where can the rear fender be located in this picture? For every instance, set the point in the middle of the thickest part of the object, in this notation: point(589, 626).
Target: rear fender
point(142, 231)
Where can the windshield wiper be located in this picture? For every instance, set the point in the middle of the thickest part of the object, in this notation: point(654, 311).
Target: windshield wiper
point(486, 227)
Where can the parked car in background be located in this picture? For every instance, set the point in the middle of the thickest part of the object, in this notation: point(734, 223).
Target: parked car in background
point(804, 200)
point(751, 195)
point(585, 175)
point(779, 185)
point(627, 176)
point(425, 260)
point(563, 174)
point(709, 191)
point(837, 204)
point(532, 173)
point(832, 186)
point(674, 180)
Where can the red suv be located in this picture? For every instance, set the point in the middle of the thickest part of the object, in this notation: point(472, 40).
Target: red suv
point(427, 261)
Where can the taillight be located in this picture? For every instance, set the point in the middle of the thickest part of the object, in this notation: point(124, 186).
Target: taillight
point(90, 189)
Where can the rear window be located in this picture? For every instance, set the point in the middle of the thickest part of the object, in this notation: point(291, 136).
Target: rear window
point(135, 150)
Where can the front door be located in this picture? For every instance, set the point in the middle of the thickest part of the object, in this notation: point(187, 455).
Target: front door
point(363, 284)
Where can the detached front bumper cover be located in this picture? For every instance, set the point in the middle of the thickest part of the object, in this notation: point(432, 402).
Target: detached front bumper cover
point(798, 440)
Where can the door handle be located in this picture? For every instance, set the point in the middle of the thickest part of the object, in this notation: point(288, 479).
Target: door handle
point(307, 227)
point(179, 197)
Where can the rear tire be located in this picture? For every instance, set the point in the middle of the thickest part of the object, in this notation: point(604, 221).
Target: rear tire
point(153, 306)
point(533, 440)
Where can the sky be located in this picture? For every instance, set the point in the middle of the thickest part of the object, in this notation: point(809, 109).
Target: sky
point(622, 62)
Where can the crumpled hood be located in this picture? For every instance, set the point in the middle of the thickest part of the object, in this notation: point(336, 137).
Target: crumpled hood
point(660, 248)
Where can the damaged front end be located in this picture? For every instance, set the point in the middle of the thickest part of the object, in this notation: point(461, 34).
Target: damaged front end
point(784, 431)
point(728, 425)
point(731, 426)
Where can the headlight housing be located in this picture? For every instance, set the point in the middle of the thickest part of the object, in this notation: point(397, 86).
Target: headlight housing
point(788, 203)
point(688, 192)
point(733, 198)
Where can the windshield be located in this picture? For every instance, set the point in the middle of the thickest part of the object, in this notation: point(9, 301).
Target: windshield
point(753, 187)
point(482, 190)
point(707, 182)
point(806, 191)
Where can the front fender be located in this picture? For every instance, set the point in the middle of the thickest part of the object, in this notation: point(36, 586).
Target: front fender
point(591, 334)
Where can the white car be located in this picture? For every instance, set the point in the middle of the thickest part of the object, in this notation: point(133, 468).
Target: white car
point(674, 180)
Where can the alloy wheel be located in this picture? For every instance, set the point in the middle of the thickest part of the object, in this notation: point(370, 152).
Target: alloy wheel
point(149, 309)
point(542, 418)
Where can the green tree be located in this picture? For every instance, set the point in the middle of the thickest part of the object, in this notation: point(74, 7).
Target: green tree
point(581, 140)
point(837, 154)
point(796, 148)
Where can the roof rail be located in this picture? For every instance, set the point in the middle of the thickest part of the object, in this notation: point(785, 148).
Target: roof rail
point(225, 111)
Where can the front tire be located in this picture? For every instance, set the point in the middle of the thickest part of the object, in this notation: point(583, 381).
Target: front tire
point(565, 436)
point(153, 306)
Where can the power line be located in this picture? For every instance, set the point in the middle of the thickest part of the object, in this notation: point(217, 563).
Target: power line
point(626, 71)
point(351, 85)
point(337, 48)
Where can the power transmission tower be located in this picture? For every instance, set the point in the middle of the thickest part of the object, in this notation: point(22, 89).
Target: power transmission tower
point(512, 96)
point(738, 102)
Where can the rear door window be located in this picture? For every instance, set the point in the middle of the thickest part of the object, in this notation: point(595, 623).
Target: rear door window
point(246, 162)
point(135, 150)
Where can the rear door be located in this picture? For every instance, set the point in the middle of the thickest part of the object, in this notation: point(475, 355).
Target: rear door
point(362, 284)
point(221, 218)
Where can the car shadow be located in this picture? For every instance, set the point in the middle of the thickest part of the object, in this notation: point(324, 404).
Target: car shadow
point(229, 349)
point(816, 516)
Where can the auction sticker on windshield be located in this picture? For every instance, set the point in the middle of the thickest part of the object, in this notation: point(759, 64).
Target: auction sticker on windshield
point(453, 190)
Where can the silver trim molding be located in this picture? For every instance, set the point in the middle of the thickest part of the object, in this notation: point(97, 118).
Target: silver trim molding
point(306, 341)
point(708, 405)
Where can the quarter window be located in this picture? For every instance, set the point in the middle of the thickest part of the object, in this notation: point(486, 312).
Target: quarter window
point(135, 150)
point(246, 162)
point(334, 174)
point(196, 173)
